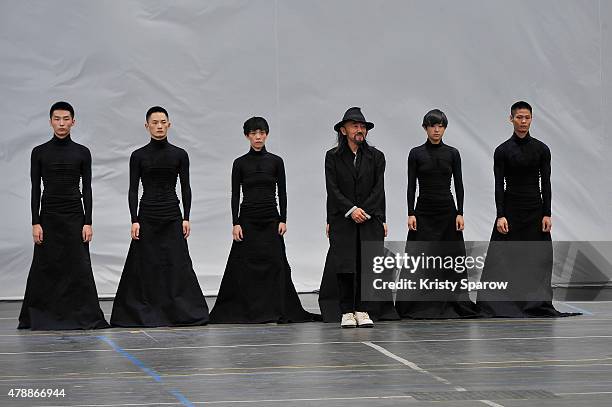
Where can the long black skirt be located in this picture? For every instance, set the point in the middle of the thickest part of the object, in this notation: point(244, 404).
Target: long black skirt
point(524, 259)
point(158, 286)
point(436, 235)
point(257, 285)
point(61, 292)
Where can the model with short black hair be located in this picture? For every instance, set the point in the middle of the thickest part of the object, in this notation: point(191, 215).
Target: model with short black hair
point(523, 201)
point(61, 291)
point(158, 286)
point(65, 106)
point(156, 109)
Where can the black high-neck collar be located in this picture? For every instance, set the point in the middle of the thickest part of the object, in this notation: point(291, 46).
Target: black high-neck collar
point(429, 144)
point(520, 140)
point(61, 141)
point(158, 143)
point(252, 151)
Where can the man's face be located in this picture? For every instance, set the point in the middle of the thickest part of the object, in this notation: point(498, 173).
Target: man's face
point(521, 120)
point(61, 122)
point(355, 132)
point(435, 133)
point(158, 125)
point(257, 138)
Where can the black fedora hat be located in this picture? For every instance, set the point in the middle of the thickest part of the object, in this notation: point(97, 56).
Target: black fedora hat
point(354, 114)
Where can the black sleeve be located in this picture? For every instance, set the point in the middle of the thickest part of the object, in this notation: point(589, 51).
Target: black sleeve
point(458, 181)
point(545, 181)
point(86, 181)
point(236, 178)
point(281, 183)
point(185, 185)
point(498, 172)
point(375, 202)
point(35, 175)
point(412, 181)
point(134, 183)
point(336, 199)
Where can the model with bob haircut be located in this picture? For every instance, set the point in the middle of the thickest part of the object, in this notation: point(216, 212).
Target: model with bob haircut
point(257, 285)
point(435, 224)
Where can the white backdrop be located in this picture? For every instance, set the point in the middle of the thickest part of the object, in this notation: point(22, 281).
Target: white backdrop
point(301, 64)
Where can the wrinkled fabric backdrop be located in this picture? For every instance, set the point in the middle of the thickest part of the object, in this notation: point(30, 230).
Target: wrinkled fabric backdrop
point(300, 64)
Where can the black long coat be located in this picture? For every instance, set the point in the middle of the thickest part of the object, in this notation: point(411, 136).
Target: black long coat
point(365, 189)
point(347, 187)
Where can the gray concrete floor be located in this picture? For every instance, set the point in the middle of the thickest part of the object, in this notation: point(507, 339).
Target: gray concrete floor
point(463, 363)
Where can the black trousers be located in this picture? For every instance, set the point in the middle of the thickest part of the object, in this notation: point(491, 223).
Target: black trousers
point(349, 286)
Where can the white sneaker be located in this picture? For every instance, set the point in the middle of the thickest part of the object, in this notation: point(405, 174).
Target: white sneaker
point(363, 320)
point(348, 320)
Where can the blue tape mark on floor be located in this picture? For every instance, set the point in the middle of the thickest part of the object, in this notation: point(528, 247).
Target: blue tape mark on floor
point(132, 359)
point(575, 308)
point(179, 396)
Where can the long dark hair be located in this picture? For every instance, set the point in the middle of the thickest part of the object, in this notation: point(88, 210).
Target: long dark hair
point(342, 143)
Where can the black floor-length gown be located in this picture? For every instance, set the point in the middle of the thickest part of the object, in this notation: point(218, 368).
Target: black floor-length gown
point(524, 256)
point(158, 286)
point(60, 291)
point(433, 165)
point(257, 285)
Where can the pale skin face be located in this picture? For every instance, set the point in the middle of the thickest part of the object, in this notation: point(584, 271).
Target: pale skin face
point(521, 121)
point(158, 125)
point(61, 122)
point(257, 140)
point(434, 135)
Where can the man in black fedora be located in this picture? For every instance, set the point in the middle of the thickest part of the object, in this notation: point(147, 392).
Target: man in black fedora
point(354, 178)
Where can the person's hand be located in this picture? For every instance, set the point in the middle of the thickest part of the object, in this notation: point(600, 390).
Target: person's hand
point(327, 230)
point(186, 229)
point(412, 222)
point(546, 224)
point(459, 223)
point(37, 233)
point(87, 233)
point(282, 228)
point(386, 228)
point(359, 215)
point(502, 225)
point(237, 233)
point(135, 232)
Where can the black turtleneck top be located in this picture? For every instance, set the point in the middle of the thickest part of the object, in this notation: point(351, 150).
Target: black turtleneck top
point(259, 173)
point(61, 164)
point(524, 163)
point(158, 164)
point(433, 165)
